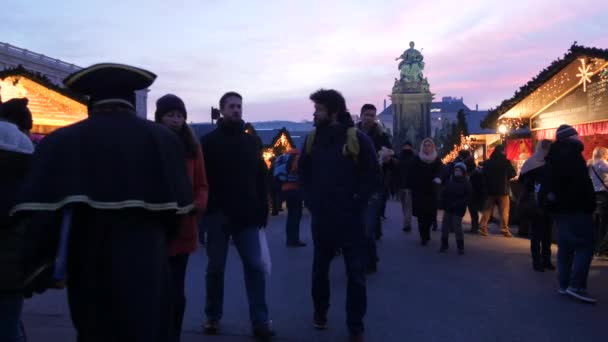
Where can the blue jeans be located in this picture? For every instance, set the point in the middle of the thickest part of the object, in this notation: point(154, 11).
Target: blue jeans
point(11, 329)
point(575, 249)
point(247, 243)
point(294, 215)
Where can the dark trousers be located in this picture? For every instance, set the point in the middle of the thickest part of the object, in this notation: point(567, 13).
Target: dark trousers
point(178, 264)
point(373, 227)
point(575, 249)
point(540, 239)
point(474, 212)
point(294, 215)
point(356, 297)
point(601, 222)
point(425, 221)
point(275, 198)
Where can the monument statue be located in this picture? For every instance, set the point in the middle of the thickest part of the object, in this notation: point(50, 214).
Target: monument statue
point(411, 65)
point(412, 98)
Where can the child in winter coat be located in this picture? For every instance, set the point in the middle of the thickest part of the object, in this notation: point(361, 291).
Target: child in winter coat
point(456, 195)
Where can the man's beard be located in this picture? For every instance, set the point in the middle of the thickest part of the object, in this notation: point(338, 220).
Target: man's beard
point(320, 123)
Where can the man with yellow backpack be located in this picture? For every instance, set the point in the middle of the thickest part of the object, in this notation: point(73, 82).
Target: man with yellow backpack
point(338, 172)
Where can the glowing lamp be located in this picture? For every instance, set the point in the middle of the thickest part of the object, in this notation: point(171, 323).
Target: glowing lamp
point(502, 129)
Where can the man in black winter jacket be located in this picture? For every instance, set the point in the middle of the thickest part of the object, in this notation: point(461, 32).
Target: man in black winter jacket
point(497, 172)
point(570, 198)
point(339, 172)
point(237, 209)
point(377, 205)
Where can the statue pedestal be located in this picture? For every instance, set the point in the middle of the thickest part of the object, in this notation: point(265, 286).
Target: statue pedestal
point(412, 118)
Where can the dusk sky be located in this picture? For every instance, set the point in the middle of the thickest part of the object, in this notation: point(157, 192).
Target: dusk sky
point(275, 53)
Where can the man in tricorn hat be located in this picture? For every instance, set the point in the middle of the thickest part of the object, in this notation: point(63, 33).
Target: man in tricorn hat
point(125, 182)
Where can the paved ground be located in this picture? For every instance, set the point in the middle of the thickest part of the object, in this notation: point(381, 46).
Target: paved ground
point(490, 294)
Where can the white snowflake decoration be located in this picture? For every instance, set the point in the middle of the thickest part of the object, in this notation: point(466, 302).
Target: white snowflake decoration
point(585, 74)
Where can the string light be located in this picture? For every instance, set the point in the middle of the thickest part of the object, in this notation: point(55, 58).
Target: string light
point(50, 110)
point(465, 144)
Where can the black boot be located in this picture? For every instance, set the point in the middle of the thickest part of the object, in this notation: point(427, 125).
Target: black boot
point(537, 264)
point(444, 245)
point(547, 265)
point(460, 245)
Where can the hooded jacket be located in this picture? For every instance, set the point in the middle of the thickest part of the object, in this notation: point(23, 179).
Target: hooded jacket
point(567, 178)
point(336, 186)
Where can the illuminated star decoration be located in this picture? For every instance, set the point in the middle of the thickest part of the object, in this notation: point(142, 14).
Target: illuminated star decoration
point(585, 74)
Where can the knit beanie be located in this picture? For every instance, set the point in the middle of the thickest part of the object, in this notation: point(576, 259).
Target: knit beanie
point(168, 103)
point(565, 131)
point(16, 111)
point(461, 166)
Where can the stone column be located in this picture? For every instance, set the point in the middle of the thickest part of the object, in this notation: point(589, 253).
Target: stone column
point(412, 118)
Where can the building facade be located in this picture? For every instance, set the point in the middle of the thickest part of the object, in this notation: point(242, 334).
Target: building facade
point(53, 69)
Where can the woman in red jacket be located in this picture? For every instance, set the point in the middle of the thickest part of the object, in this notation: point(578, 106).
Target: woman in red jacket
point(171, 112)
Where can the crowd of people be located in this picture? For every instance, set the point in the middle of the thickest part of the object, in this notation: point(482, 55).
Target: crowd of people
point(115, 217)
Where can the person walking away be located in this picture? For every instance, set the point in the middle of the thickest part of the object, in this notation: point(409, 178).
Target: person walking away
point(424, 181)
point(570, 199)
point(15, 156)
point(293, 196)
point(125, 183)
point(456, 195)
point(171, 112)
point(531, 177)
point(497, 172)
point(405, 159)
point(237, 209)
point(598, 171)
point(339, 172)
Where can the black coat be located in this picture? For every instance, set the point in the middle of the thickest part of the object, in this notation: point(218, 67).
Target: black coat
point(567, 177)
point(497, 172)
point(237, 176)
point(13, 169)
point(425, 192)
point(337, 188)
point(404, 164)
point(456, 195)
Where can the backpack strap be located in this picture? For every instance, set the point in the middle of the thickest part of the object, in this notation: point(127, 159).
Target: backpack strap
point(351, 147)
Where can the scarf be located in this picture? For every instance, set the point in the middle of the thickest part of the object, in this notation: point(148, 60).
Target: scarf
point(427, 158)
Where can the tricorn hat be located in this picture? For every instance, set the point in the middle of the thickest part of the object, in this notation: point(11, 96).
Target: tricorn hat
point(110, 83)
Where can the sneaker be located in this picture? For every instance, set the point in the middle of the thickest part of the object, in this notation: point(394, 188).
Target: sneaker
point(263, 332)
point(562, 291)
point(484, 232)
point(581, 295)
point(211, 327)
point(507, 234)
point(320, 321)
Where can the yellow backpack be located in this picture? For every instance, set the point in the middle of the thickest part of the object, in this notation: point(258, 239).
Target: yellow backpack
point(350, 149)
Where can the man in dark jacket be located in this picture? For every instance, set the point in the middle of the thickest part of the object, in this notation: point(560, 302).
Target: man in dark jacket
point(570, 198)
point(497, 172)
point(375, 210)
point(339, 173)
point(237, 208)
point(15, 156)
point(404, 163)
